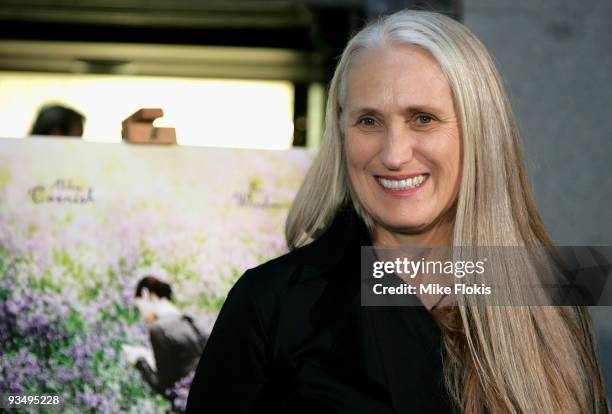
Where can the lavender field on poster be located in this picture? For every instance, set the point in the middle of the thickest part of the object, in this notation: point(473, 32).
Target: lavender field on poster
point(81, 223)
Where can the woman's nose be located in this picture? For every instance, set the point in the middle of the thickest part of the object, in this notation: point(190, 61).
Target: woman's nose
point(398, 147)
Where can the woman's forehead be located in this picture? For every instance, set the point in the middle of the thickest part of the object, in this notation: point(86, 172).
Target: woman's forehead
point(396, 75)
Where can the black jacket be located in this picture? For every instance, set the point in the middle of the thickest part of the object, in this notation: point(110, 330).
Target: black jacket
point(293, 338)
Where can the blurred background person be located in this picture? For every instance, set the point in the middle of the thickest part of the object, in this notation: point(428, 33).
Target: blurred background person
point(58, 120)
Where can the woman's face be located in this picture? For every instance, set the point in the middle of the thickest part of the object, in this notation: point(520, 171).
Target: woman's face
point(401, 139)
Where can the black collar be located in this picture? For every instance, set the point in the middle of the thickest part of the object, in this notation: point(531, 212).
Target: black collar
point(347, 229)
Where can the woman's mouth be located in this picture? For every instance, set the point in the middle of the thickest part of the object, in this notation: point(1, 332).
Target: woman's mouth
point(402, 184)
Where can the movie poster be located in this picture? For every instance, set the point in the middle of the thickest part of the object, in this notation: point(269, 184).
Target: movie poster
point(81, 223)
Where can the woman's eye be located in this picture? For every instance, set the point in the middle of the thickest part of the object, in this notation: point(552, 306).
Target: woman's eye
point(424, 119)
point(367, 122)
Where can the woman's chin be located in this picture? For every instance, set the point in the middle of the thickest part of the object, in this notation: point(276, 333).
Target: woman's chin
point(405, 227)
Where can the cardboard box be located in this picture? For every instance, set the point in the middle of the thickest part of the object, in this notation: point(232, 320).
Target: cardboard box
point(138, 128)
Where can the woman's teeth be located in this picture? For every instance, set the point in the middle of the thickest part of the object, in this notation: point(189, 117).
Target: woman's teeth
point(402, 184)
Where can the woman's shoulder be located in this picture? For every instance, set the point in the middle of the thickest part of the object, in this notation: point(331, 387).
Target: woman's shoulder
point(266, 282)
point(282, 272)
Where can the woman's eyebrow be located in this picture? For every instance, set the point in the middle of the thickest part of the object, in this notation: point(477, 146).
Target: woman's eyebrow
point(364, 110)
point(412, 109)
point(408, 110)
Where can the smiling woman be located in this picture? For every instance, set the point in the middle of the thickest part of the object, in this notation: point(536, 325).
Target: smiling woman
point(402, 144)
point(420, 149)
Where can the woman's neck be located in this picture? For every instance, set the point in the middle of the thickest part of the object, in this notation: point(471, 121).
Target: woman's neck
point(440, 235)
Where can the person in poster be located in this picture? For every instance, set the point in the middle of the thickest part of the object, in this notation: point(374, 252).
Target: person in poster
point(176, 338)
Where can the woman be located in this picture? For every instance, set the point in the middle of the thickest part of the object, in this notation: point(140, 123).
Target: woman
point(420, 149)
point(176, 339)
